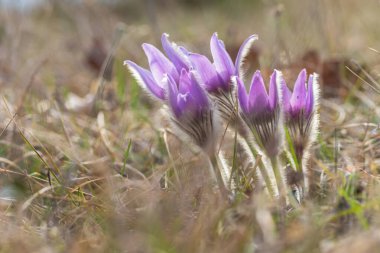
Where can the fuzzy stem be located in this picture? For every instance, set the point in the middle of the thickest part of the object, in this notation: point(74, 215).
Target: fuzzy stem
point(216, 169)
point(282, 191)
point(263, 171)
point(304, 179)
point(301, 165)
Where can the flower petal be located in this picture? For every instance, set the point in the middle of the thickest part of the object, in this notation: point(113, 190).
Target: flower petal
point(185, 104)
point(242, 94)
point(191, 99)
point(273, 89)
point(184, 50)
point(222, 59)
point(159, 64)
point(174, 53)
point(286, 95)
point(258, 97)
point(196, 91)
point(145, 79)
point(310, 97)
point(206, 71)
point(297, 101)
point(243, 51)
point(172, 95)
point(184, 82)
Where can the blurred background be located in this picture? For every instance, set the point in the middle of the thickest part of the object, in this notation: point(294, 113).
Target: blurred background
point(107, 166)
point(75, 36)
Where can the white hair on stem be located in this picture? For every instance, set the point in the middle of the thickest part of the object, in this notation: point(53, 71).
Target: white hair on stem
point(226, 172)
point(261, 181)
point(314, 128)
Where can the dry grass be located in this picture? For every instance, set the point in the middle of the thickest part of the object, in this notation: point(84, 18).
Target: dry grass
point(112, 177)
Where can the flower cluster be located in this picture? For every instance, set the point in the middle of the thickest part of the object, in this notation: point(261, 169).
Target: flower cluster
point(182, 81)
point(196, 91)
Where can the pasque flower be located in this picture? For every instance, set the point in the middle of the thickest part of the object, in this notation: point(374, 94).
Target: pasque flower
point(300, 110)
point(302, 102)
point(215, 76)
point(191, 109)
point(217, 79)
point(193, 114)
point(261, 112)
point(301, 117)
point(176, 81)
point(160, 66)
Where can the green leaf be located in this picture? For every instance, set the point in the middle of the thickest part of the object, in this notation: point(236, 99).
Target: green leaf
point(126, 155)
point(291, 149)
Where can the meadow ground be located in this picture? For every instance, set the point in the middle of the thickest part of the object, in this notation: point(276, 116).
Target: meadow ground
point(89, 169)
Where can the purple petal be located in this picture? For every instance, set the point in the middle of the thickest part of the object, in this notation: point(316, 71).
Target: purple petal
point(184, 50)
point(243, 51)
point(191, 98)
point(222, 59)
point(258, 97)
point(196, 91)
point(297, 101)
point(172, 95)
point(159, 64)
point(174, 53)
point(184, 82)
point(273, 90)
point(286, 95)
point(242, 95)
point(309, 104)
point(145, 79)
point(185, 104)
point(206, 71)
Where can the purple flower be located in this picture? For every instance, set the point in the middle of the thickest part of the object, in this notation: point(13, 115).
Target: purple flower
point(258, 103)
point(191, 110)
point(300, 109)
point(187, 99)
point(261, 111)
point(175, 81)
point(216, 76)
point(160, 66)
point(300, 103)
point(301, 119)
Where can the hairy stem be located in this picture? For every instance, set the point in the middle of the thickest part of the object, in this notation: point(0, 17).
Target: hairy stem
point(304, 183)
point(282, 189)
point(215, 167)
point(263, 171)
